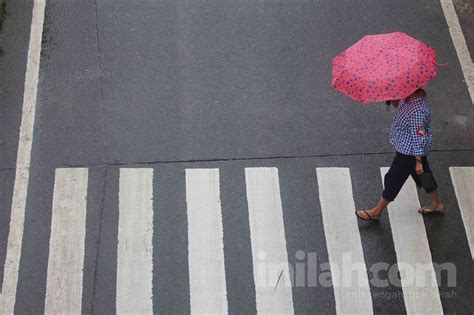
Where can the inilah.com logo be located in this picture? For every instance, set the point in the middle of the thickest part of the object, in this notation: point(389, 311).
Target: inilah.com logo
point(307, 271)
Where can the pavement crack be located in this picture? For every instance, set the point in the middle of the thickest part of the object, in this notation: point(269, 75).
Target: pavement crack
point(276, 157)
point(101, 79)
point(99, 59)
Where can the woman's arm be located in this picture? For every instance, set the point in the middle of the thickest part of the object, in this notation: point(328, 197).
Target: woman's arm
point(417, 126)
point(419, 165)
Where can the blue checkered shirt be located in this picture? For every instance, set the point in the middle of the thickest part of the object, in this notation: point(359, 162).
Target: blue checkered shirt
point(410, 132)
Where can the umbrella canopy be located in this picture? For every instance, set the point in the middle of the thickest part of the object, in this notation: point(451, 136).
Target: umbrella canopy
point(383, 67)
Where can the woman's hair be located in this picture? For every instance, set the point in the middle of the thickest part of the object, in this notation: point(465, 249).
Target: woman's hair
point(422, 91)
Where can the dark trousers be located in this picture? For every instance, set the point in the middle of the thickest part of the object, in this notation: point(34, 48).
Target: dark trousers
point(403, 166)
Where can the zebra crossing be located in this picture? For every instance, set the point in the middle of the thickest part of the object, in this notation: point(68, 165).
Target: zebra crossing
point(206, 247)
point(412, 247)
point(135, 248)
point(342, 237)
point(272, 273)
point(267, 234)
point(66, 249)
point(463, 181)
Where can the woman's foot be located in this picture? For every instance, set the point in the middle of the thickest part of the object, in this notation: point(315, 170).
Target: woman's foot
point(432, 209)
point(367, 215)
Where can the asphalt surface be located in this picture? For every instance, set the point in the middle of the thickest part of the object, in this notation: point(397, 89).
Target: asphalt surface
point(172, 85)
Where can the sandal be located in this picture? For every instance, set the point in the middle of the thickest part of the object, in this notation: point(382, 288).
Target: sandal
point(424, 211)
point(369, 218)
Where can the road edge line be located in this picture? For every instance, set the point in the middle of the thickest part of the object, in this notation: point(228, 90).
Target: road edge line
point(460, 44)
point(22, 170)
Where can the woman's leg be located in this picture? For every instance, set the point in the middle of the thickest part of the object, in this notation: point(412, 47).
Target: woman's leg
point(376, 211)
point(436, 203)
point(393, 182)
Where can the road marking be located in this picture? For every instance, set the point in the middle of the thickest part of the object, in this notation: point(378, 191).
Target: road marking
point(463, 182)
point(206, 242)
point(267, 234)
point(135, 242)
point(66, 245)
point(460, 44)
point(344, 245)
point(413, 252)
point(22, 172)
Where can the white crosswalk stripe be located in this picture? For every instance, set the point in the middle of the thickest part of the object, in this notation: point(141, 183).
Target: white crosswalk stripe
point(343, 242)
point(463, 181)
point(267, 234)
point(420, 288)
point(135, 236)
point(66, 246)
point(206, 246)
point(272, 272)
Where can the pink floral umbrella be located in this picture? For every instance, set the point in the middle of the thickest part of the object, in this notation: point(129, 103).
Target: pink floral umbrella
point(383, 67)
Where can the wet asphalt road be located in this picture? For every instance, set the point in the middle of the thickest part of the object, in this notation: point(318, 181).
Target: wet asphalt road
point(172, 85)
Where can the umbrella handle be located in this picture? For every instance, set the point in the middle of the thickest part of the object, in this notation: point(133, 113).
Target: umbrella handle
point(439, 64)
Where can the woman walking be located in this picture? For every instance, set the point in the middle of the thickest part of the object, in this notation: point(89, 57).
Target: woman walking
point(411, 137)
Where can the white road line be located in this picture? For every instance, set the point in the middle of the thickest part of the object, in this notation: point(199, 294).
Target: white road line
point(420, 289)
point(135, 242)
point(22, 174)
point(463, 181)
point(344, 245)
point(206, 242)
point(460, 44)
point(66, 245)
point(267, 234)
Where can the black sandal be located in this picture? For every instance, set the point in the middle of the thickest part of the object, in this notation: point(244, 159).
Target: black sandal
point(369, 218)
point(423, 211)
